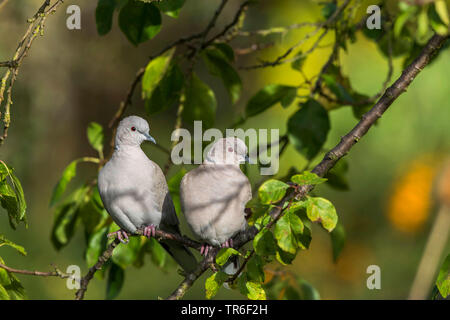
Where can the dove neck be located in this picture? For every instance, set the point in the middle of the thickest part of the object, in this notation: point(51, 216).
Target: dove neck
point(129, 150)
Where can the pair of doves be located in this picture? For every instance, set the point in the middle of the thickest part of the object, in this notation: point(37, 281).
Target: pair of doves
point(213, 196)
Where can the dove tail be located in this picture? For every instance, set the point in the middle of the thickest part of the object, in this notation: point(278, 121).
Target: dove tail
point(181, 254)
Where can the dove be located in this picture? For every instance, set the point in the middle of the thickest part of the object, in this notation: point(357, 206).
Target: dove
point(134, 191)
point(213, 196)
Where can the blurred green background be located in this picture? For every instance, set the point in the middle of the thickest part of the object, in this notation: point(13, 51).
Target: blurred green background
point(71, 78)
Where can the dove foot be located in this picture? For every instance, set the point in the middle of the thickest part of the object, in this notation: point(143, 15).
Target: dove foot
point(228, 244)
point(150, 231)
point(121, 235)
point(205, 249)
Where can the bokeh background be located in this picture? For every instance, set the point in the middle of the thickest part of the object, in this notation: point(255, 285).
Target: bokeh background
point(73, 77)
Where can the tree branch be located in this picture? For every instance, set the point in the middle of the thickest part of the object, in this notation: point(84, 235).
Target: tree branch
point(36, 27)
point(56, 273)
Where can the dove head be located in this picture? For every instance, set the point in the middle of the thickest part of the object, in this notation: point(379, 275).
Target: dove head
point(229, 150)
point(132, 131)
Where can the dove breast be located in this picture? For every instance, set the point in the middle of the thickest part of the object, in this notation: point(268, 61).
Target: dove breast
point(213, 199)
point(134, 191)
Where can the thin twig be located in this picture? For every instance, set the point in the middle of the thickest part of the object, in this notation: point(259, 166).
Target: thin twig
point(56, 273)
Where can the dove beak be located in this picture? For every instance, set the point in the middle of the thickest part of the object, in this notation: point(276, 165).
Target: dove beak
point(149, 138)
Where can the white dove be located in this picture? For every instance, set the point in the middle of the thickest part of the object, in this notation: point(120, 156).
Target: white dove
point(134, 191)
point(213, 196)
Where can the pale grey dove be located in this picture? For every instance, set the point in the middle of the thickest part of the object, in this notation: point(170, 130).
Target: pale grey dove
point(135, 193)
point(213, 196)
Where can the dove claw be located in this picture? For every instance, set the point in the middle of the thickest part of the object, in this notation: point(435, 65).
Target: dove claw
point(205, 249)
point(121, 235)
point(150, 231)
point(228, 244)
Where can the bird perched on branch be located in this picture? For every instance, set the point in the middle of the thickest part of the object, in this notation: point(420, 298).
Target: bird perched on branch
point(213, 196)
point(134, 191)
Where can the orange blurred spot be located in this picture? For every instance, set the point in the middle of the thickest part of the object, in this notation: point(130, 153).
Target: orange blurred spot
point(410, 202)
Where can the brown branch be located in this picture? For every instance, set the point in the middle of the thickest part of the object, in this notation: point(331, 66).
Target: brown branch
point(107, 254)
point(56, 273)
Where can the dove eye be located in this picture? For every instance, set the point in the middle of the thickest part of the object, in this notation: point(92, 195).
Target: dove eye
point(230, 149)
point(133, 128)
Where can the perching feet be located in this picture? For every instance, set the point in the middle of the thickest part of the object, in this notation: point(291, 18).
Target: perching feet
point(121, 235)
point(228, 244)
point(205, 249)
point(150, 231)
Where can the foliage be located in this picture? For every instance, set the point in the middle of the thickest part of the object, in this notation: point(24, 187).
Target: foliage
point(170, 80)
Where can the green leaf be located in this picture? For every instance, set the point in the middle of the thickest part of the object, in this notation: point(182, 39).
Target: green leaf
point(171, 7)
point(337, 88)
point(139, 21)
point(217, 63)
point(307, 178)
point(6, 242)
point(287, 230)
point(322, 210)
point(308, 292)
point(95, 136)
point(10, 286)
point(154, 72)
point(443, 279)
point(104, 15)
point(174, 188)
point(226, 50)
point(255, 269)
point(214, 282)
point(284, 257)
point(264, 243)
point(158, 254)
point(167, 92)
point(402, 19)
point(442, 11)
point(336, 177)
point(12, 197)
point(115, 281)
point(308, 129)
point(337, 240)
point(125, 255)
point(224, 254)
point(272, 191)
point(267, 97)
point(252, 289)
point(68, 174)
point(328, 9)
point(66, 218)
point(297, 64)
point(4, 294)
point(96, 245)
point(200, 102)
point(8, 201)
point(438, 25)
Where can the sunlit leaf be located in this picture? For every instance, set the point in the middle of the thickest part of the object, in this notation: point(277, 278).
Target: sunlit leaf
point(272, 191)
point(322, 210)
point(214, 282)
